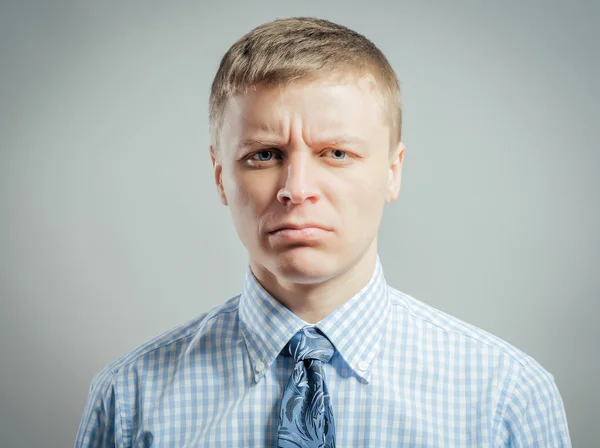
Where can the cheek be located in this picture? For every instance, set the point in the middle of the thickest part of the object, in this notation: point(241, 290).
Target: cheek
point(241, 202)
point(368, 183)
point(247, 198)
point(365, 197)
point(243, 215)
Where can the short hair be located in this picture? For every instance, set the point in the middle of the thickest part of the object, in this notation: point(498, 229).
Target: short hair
point(302, 48)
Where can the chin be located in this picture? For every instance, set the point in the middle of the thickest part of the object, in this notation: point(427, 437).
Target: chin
point(304, 265)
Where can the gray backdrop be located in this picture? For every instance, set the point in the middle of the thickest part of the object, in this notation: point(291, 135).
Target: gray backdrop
point(111, 231)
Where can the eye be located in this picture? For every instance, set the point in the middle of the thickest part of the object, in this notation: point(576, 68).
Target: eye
point(265, 155)
point(338, 154)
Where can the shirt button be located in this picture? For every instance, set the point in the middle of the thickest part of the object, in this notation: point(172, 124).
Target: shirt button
point(363, 365)
point(260, 367)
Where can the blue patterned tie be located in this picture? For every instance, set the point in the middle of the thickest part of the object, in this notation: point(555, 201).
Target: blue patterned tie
point(306, 417)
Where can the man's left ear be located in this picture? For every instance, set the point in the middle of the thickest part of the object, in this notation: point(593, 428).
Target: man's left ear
point(395, 173)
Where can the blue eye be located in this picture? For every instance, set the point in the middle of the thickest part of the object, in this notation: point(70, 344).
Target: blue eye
point(339, 153)
point(266, 155)
point(263, 156)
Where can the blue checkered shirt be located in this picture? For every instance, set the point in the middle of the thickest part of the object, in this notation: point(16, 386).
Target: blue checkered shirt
point(404, 374)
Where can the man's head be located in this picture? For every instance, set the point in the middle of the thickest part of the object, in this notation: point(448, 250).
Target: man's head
point(306, 130)
point(287, 50)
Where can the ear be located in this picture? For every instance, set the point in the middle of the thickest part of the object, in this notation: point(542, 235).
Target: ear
point(395, 173)
point(218, 171)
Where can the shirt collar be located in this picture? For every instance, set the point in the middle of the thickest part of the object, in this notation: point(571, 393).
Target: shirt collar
point(354, 328)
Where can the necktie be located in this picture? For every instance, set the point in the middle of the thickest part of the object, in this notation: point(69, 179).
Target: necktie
point(306, 416)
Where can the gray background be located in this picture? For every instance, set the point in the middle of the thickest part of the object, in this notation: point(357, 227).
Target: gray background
point(111, 231)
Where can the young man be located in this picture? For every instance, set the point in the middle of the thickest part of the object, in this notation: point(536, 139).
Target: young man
point(318, 350)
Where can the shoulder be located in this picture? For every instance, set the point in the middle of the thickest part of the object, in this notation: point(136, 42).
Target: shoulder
point(113, 394)
point(529, 408)
point(464, 334)
point(170, 343)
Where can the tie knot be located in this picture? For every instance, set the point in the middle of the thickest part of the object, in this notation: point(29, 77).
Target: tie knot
point(309, 343)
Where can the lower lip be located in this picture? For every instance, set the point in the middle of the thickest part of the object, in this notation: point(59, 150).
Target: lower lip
point(306, 234)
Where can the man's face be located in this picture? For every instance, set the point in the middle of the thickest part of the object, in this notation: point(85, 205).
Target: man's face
point(310, 154)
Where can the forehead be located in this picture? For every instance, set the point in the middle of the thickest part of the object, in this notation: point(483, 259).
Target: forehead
point(325, 104)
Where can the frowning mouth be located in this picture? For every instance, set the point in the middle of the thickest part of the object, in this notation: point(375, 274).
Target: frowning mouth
point(304, 232)
point(298, 226)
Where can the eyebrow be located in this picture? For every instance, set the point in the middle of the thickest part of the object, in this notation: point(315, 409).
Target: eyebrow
point(346, 139)
point(247, 142)
point(337, 140)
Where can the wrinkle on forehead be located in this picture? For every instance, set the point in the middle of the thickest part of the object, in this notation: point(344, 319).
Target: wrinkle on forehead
point(277, 120)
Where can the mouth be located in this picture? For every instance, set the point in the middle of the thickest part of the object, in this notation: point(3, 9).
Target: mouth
point(299, 233)
point(286, 227)
point(296, 225)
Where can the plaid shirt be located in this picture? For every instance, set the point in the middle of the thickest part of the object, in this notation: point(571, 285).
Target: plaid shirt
point(404, 374)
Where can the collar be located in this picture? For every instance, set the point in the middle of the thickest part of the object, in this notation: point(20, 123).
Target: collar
point(354, 328)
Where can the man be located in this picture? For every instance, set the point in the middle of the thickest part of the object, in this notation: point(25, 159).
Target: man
point(317, 350)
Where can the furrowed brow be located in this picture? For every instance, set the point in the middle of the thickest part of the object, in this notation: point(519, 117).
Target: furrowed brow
point(346, 139)
point(249, 142)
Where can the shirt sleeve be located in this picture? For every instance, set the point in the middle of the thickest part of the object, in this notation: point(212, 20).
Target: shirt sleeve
point(99, 424)
point(535, 415)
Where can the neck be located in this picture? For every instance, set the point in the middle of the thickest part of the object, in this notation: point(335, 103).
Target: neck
point(312, 302)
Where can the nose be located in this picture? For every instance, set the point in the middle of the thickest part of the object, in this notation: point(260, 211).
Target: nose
point(300, 180)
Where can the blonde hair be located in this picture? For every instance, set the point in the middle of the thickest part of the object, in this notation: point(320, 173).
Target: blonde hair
point(302, 48)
